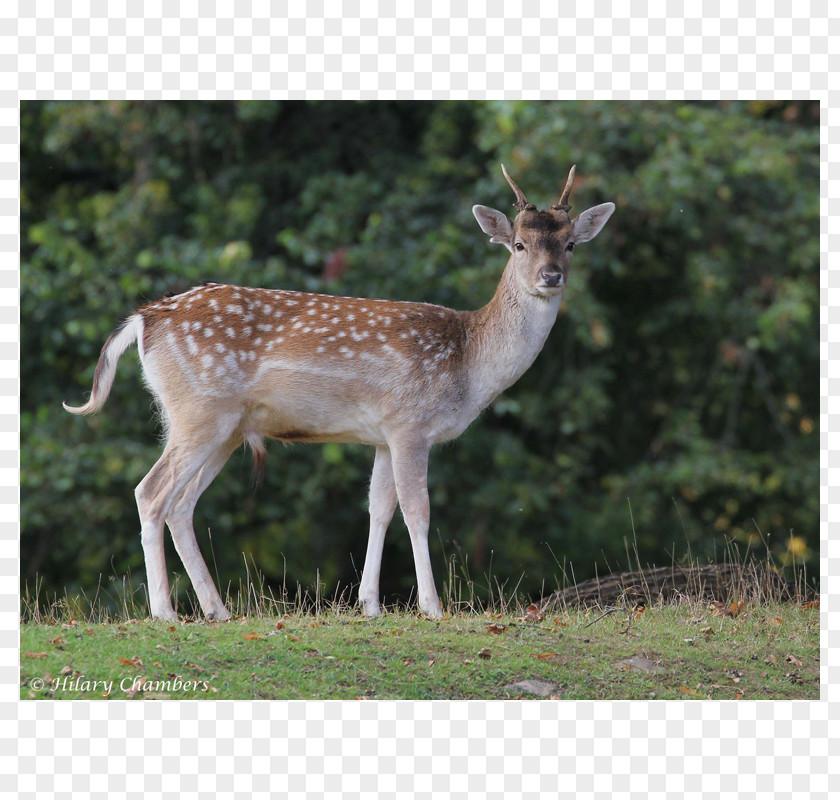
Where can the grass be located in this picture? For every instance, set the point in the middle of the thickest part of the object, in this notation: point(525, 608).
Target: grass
point(751, 646)
point(680, 651)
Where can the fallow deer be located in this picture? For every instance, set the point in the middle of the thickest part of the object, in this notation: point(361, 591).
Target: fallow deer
point(231, 364)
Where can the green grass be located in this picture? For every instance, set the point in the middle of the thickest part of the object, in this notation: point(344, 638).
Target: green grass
point(768, 651)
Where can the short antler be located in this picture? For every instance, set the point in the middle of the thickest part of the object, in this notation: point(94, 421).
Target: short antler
point(563, 203)
point(521, 202)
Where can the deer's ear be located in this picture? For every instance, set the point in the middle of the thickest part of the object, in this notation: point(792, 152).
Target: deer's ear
point(495, 224)
point(588, 225)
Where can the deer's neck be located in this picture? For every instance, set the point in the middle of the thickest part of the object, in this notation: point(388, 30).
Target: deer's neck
point(506, 336)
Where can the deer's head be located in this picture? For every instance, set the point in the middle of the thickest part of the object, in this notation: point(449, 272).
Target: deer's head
point(541, 243)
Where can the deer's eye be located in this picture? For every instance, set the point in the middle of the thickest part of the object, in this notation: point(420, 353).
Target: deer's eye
point(570, 246)
point(519, 246)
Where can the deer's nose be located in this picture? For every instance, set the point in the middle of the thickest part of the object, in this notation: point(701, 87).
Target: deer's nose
point(551, 278)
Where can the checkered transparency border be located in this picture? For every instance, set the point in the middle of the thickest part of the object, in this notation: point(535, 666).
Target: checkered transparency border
point(632, 49)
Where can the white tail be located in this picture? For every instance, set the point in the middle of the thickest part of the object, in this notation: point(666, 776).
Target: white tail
point(118, 342)
point(230, 364)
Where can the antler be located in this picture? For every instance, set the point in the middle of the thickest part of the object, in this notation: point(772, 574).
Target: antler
point(563, 203)
point(521, 202)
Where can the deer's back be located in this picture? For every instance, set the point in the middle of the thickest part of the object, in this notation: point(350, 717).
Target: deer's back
point(301, 366)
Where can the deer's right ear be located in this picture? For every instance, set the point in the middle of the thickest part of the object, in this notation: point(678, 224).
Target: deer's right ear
point(495, 224)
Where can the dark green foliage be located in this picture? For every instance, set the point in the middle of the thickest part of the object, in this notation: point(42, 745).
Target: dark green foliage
point(680, 381)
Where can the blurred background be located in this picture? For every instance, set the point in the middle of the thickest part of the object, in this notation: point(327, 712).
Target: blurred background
point(673, 410)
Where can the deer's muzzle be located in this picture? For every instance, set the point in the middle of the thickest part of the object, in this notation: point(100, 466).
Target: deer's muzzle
point(551, 279)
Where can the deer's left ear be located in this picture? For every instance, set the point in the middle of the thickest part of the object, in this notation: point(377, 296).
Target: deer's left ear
point(588, 225)
point(495, 224)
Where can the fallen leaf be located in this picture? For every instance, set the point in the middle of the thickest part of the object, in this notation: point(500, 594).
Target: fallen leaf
point(406, 662)
point(771, 659)
point(172, 629)
point(739, 695)
point(66, 670)
point(58, 642)
point(496, 628)
point(468, 661)
point(685, 690)
point(793, 660)
point(485, 652)
point(543, 655)
point(721, 610)
point(132, 662)
point(279, 626)
point(34, 655)
point(431, 661)
point(812, 604)
point(293, 638)
point(252, 636)
point(533, 613)
point(707, 631)
point(735, 608)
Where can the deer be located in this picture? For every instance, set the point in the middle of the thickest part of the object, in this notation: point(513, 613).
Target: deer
point(231, 365)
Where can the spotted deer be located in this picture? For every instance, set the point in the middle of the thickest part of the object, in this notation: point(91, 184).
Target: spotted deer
point(229, 365)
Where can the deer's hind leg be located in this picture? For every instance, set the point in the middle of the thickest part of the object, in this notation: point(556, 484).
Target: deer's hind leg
point(180, 523)
point(185, 455)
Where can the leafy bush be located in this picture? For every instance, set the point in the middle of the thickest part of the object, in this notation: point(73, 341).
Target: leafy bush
point(679, 386)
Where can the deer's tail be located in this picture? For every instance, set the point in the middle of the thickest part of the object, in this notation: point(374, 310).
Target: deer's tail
point(130, 331)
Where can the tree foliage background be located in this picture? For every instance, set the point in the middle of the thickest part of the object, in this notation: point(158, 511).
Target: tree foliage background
point(673, 407)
